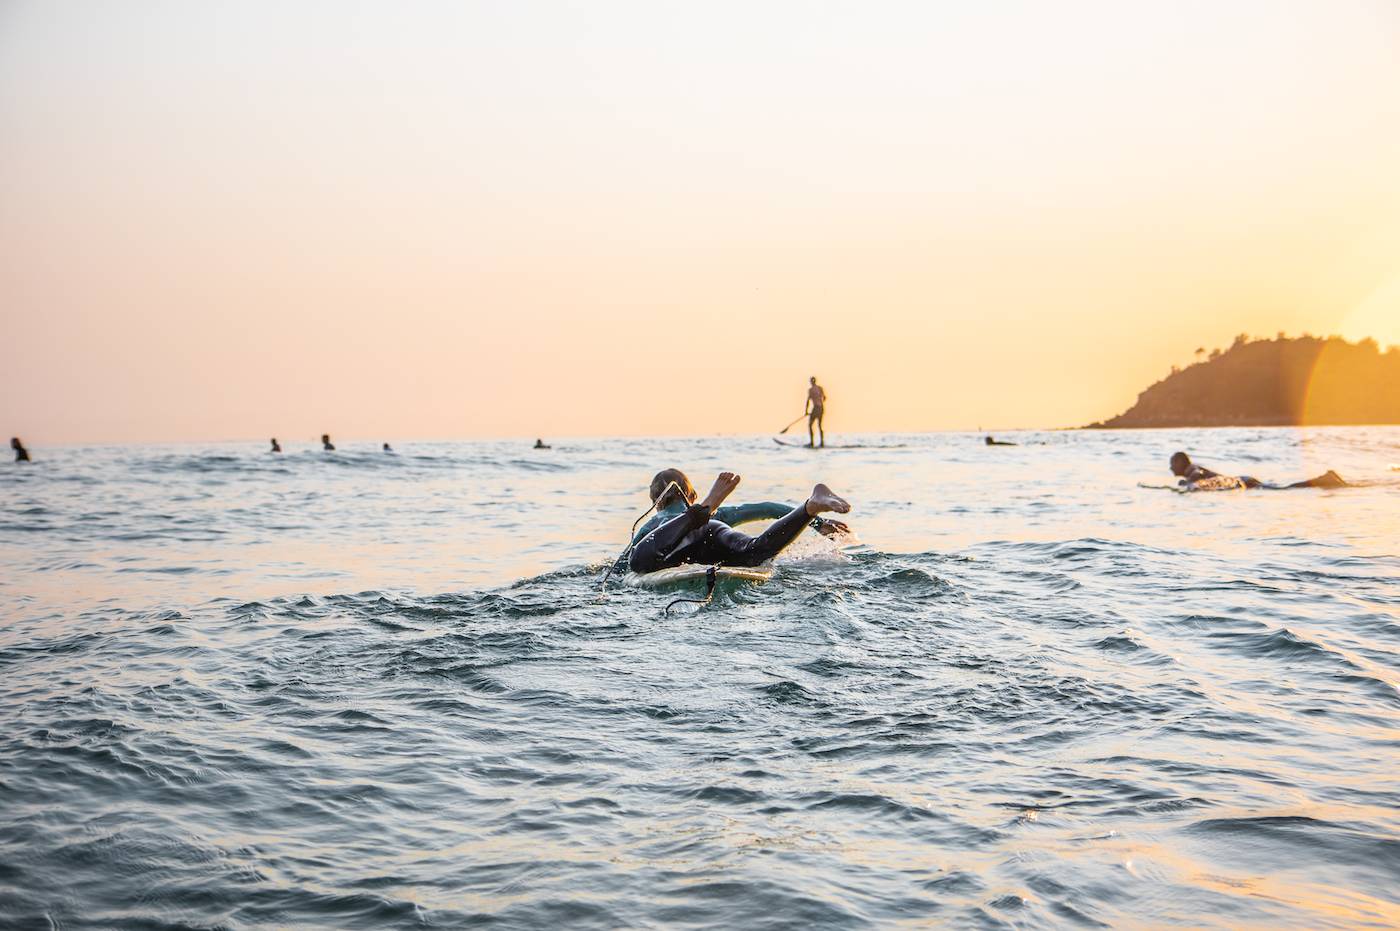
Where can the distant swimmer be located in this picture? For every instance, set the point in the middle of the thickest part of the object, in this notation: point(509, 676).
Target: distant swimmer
point(1199, 477)
point(387, 448)
point(685, 532)
point(814, 409)
point(326, 443)
point(992, 442)
point(21, 454)
point(276, 446)
point(541, 444)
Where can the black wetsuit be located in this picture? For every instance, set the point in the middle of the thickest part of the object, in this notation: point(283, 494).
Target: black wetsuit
point(21, 454)
point(693, 537)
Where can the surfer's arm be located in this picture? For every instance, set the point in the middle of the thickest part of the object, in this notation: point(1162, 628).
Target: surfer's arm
point(737, 514)
point(828, 527)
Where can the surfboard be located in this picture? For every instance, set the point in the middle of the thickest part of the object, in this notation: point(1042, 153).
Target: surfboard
point(679, 575)
point(840, 445)
point(1217, 483)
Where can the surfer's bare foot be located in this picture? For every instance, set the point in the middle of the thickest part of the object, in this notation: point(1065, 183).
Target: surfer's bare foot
point(723, 487)
point(824, 499)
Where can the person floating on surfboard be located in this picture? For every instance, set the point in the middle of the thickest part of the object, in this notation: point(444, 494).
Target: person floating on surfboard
point(685, 532)
point(1194, 476)
point(814, 408)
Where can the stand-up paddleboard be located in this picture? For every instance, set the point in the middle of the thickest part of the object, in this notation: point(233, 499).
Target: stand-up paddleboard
point(840, 445)
point(680, 575)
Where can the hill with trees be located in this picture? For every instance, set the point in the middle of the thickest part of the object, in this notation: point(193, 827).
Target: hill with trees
point(1274, 382)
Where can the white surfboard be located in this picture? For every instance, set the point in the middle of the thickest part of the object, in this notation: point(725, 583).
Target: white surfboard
point(696, 573)
point(1216, 483)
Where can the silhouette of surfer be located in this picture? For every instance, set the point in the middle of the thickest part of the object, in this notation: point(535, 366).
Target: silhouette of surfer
point(1195, 476)
point(685, 532)
point(541, 444)
point(387, 448)
point(815, 408)
point(992, 442)
point(276, 446)
point(21, 454)
point(326, 443)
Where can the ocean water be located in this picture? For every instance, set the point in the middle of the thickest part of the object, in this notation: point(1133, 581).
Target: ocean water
point(356, 690)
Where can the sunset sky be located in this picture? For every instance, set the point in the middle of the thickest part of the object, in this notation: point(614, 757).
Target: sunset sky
point(238, 219)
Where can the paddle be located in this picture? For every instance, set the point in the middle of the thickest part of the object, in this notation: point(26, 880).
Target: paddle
point(791, 425)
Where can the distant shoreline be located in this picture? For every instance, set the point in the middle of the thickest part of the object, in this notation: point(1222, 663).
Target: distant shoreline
point(1104, 425)
point(1302, 382)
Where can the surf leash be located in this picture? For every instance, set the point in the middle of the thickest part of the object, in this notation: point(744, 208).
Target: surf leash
point(711, 577)
point(633, 536)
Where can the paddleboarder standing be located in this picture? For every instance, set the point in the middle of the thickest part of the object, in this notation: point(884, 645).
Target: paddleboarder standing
point(815, 407)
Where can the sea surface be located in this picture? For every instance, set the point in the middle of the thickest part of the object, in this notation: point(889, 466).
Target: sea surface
point(359, 690)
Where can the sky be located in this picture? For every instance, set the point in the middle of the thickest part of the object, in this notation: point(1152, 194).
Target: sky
point(226, 220)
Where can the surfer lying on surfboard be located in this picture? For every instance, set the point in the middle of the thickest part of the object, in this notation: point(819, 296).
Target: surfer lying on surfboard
point(686, 532)
point(1194, 476)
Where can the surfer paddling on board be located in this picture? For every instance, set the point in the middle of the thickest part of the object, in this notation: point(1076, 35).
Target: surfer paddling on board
point(685, 532)
point(1194, 476)
point(814, 408)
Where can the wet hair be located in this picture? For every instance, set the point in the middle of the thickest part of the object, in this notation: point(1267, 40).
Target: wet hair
point(1180, 460)
point(663, 495)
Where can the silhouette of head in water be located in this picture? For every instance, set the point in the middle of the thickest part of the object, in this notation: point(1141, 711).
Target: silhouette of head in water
point(1180, 464)
point(540, 444)
point(21, 454)
point(387, 449)
point(276, 446)
point(991, 442)
point(663, 495)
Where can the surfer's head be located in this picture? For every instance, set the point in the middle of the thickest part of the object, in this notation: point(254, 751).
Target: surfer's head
point(663, 495)
point(15, 443)
point(1180, 463)
point(813, 379)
